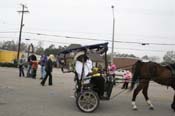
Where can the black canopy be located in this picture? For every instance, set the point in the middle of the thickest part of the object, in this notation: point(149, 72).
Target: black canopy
point(102, 46)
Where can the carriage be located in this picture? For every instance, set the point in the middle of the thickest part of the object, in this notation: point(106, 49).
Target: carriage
point(86, 94)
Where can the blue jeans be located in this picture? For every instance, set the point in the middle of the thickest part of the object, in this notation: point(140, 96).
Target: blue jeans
point(29, 70)
point(43, 72)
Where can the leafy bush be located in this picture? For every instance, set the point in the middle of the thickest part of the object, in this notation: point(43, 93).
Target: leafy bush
point(15, 61)
point(8, 65)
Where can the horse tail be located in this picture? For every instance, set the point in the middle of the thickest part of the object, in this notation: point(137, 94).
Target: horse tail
point(136, 73)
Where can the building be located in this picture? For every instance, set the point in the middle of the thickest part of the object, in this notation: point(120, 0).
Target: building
point(125, 63)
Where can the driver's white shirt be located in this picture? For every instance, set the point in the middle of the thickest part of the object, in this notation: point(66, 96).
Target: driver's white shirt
point(87, 68)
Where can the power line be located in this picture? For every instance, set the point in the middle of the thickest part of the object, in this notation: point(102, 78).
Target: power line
point(9, 32)
point(67, 43)
point(119, 34)
point(8, 37)
point(133, 49)
point(93, 39)
point(145, 43)
point(52, 41)
point(127, 34)
point(141, 50)
point(147, 36)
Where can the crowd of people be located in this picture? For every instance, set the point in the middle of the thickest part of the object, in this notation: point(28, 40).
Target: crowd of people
point(45, 62)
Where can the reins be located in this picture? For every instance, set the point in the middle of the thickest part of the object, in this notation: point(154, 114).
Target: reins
point(126, 67)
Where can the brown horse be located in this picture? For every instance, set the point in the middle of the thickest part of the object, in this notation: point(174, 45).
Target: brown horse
point(144, 72)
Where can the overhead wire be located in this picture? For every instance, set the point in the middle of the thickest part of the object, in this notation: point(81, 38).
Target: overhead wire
point(140, 49)
point(94, 39)
point(9, 32)
point(108, 34)
point(68, 43)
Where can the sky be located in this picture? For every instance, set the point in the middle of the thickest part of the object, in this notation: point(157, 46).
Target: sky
point(142, 21)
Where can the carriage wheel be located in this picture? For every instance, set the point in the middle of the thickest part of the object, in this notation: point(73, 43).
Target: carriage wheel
point(76, 93)
point(88, 101)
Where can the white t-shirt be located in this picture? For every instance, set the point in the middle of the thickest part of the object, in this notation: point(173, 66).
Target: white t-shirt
point(87, 68)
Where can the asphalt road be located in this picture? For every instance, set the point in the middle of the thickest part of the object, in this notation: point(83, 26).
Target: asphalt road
point(26, 97)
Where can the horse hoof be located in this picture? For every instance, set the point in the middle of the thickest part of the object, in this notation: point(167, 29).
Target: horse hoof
point(134, 108)
point(151, 108)
point(173, 106)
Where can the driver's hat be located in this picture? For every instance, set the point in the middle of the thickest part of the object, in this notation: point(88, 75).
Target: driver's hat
point(78, 54)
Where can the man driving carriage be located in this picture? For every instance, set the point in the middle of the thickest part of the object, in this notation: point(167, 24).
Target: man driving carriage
point(89, 71)
point(91, 82)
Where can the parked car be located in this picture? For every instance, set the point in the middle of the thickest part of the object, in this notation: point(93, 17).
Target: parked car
point(119, 73)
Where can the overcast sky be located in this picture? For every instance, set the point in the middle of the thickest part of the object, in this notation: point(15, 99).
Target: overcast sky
point(147, 21)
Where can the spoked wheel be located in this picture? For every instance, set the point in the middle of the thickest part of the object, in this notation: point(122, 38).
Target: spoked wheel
point(88, 101)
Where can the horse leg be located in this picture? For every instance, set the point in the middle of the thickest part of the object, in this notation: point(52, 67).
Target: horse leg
point(136, 91)
point(145, 93)
point(173, 104)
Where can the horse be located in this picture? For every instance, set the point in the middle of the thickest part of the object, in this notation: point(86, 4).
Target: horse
point(143, 73)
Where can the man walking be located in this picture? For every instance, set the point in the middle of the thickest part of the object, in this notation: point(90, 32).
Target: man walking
point(48, 69)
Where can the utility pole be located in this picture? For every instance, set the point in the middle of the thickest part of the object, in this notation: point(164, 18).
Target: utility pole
point(113, 31)
point(21, 26)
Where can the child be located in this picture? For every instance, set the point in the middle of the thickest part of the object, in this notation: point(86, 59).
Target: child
point(127, 76)
point(34, 69)
point(21, 66)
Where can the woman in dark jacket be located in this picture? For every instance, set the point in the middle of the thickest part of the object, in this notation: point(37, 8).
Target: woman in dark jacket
point(48, 69)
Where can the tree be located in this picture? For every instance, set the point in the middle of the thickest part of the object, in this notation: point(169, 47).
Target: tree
point(154, 59)
point(39, 48)
point(1, 45)
point(40, 44)
point(39, 51)
point(169, 57)
point(9, 45)
point(145, 57)
point(50, 50)
point(124, 55)
point(23, 47)
point(53, 50)
point(52, 46)
point(151, 58)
